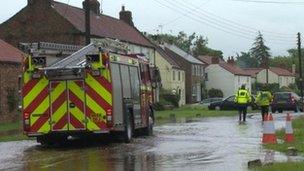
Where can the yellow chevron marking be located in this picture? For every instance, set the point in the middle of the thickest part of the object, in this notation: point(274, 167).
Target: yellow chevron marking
point(40, 110)
point(99, 89)
point(31, 96)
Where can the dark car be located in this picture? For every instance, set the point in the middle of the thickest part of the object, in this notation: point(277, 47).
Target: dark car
point(206, 102)
point(283, 101)
point(229, 104)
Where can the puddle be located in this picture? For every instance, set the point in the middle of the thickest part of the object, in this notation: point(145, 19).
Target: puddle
point(204, 144)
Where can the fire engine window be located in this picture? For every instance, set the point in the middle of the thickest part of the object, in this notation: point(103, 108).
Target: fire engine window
point(134, 83)
point(117, 94)
point(125, 76)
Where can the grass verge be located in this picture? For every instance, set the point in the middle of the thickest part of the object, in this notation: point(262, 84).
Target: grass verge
point(292, 166)
point(11, 132)
point(298, 128)
point(192, 112)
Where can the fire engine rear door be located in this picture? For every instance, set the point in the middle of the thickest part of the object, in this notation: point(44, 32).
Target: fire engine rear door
point(76, 105)
point(59, 102)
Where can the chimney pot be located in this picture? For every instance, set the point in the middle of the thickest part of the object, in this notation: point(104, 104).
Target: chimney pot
point(126, 16)
point(94, 6)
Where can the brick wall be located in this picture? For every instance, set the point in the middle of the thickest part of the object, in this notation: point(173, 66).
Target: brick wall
point(39, 22)
point(9, 73)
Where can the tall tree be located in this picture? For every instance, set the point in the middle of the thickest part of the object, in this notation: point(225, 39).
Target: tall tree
point(245, 60)
point(260, 51)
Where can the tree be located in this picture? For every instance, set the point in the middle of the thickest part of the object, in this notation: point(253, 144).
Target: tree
point(194, 44)
point(245, 60)
point(260, 51)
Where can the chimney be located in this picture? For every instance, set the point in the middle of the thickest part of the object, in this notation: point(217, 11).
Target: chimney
point(41, 2)
point(215, 60)
point(126, 16)
point(94, 6)
point(231, 61)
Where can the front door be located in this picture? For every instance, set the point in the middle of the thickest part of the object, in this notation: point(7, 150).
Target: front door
point(67, 105)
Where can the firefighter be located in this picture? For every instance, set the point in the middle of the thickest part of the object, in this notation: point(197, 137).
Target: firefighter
point(242, 99)
point(264, 99)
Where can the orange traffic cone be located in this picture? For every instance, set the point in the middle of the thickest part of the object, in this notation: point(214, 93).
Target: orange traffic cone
point(269, 136)
point(289, 138)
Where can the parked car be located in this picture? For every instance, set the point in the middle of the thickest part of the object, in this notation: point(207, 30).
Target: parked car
point(283, 101)
point(229, 104)
point(206, 102)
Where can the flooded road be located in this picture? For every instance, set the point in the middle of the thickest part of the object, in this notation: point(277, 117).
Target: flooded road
point(209, 144)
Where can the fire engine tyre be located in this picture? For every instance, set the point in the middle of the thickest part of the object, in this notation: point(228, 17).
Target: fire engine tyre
point(148, 131)
point(129, 125)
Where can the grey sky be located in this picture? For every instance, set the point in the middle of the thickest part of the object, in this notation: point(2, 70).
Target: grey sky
point(230, 25)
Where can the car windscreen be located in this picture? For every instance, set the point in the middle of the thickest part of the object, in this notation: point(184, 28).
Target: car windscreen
point(281, 96)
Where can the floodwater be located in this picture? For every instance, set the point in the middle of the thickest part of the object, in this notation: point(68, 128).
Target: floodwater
point(208, 144)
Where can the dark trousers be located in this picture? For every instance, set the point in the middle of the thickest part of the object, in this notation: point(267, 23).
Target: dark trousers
point(242, 111)
point(264, 110)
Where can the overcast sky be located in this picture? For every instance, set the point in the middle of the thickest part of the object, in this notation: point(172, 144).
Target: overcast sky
point(229, 25)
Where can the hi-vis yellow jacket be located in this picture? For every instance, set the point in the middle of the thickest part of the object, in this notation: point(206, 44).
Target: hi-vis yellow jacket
point(242, 96)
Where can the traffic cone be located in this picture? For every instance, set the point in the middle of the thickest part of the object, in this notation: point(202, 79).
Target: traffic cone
point(269, 136)
point(289, 138)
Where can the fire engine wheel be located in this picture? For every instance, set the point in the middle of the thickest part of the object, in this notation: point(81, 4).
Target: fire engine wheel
point(148, 131)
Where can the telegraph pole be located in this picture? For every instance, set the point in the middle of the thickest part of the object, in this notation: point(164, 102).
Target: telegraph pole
point(300, 65)
point(87, 22)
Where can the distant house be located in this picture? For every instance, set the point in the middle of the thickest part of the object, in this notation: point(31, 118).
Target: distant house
point(225, 76)
point(253, 72)
point(194, 72)
point(51, 21)
point(172, 75)
point(10, 68)
point(277, 75)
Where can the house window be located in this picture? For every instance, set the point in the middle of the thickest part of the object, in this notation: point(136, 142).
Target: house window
point(193, 69)
point(179, 75)
point(239, 79)
point(173, 75)
point(206, 76)
point(12, 99)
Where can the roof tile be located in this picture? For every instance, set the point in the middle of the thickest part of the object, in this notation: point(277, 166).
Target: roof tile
point(8, 53)
point(102, 25)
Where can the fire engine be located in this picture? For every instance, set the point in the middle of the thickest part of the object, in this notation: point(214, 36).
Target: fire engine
point(99, 89)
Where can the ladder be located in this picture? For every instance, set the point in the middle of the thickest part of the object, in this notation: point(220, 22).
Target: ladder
point(45, 48)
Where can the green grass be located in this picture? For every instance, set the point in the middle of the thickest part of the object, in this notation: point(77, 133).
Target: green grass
point(191, 112)
point(292, 166)
point(15, 132)
point(298, 129)
point(10, 126)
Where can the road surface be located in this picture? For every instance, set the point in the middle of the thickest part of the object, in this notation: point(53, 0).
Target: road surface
point(208, 144)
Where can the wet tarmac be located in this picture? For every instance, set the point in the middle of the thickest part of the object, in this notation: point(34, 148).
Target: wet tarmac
point(207, 144)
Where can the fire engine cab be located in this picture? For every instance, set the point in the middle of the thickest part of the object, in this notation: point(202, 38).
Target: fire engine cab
point(99, 89)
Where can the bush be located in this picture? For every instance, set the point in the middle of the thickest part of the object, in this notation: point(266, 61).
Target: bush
point(215, 93)
point(166, 97)
point(274, 87)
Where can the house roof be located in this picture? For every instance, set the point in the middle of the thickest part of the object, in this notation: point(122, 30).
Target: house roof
point(102, 25)
point(233, 69)
point(253, 71)
point(183, 54)
point(207, 59)
point(167, 57)
point(281, 71)
point(8, 53)
point(229, 67)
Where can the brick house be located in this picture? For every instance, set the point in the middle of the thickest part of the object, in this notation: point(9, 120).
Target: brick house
point(10, 60)
point(51, 21)
point(194, 72)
